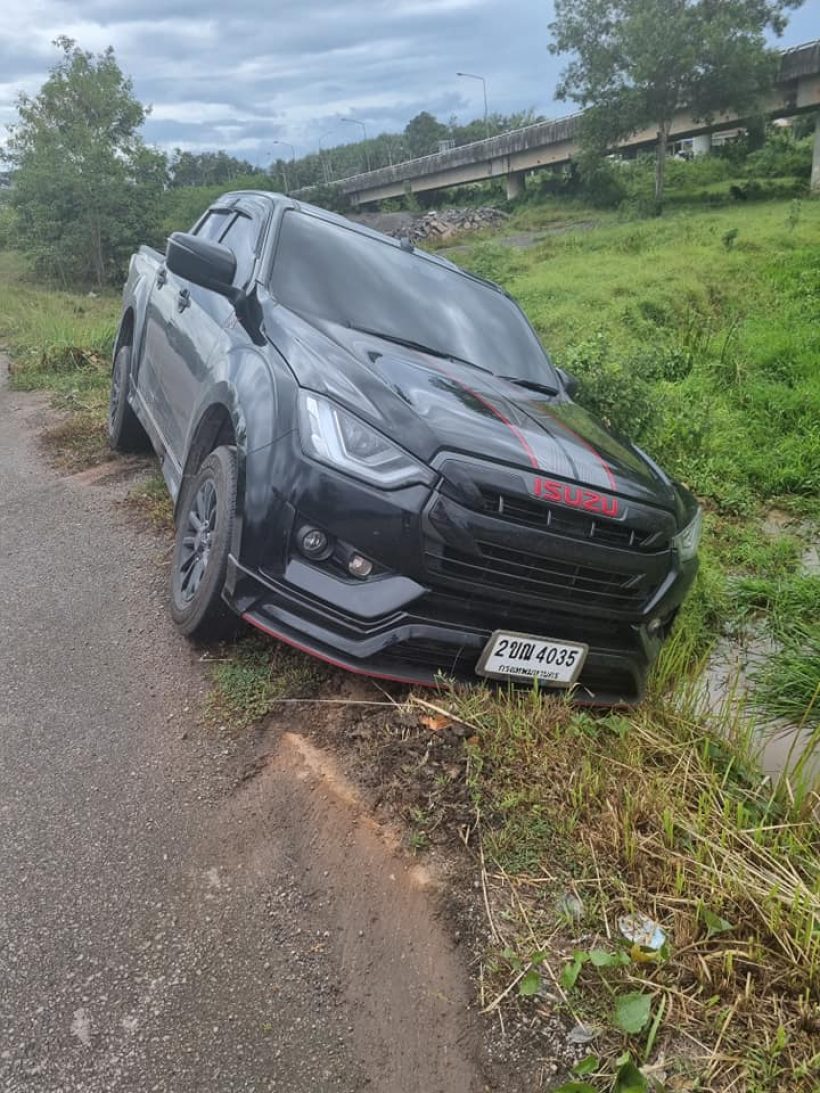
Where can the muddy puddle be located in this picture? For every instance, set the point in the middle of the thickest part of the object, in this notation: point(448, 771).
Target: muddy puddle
point(726, 687)
point(725, 691)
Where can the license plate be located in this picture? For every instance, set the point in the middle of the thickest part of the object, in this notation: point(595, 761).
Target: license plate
point(523, 656)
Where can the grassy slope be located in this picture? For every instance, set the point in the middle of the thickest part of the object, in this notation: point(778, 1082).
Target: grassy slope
point(710, 341)
point(704, 329)
point(705, 326)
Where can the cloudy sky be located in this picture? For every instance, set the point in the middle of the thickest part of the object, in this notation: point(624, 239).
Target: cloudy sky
point(240, 74)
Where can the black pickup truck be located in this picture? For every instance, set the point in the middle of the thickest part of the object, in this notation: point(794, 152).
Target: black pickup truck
point(372, 458)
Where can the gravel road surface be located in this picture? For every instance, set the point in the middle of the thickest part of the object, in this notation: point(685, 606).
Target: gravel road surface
point(158, 931)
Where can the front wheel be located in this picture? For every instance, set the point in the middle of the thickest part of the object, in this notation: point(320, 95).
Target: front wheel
point(203, 541)
point(125, 434)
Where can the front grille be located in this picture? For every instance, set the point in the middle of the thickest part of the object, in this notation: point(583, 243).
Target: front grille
point(480, 613)
point(563, 521)
point(507, 570)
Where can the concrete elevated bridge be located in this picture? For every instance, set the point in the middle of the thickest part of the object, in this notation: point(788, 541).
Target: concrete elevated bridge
point(552, 143)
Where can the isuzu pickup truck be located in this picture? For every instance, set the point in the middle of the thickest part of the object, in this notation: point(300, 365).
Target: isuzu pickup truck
point(372, 458)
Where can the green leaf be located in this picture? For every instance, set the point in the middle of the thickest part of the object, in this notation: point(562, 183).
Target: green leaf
point(714, 923)
point(586, 1066)
point(570, 972)
point(575, 1087)
point(530, 984)
point(632, 1012)
point(629, 1079)
point(602, 959)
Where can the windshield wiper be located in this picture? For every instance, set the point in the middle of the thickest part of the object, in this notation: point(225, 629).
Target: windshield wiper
point(531, 385)
point(408, 343)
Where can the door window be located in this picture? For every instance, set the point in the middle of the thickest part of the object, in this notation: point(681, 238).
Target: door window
point(214, 224)
point(241, 237)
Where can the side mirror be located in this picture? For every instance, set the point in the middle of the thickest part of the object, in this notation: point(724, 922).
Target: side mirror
point(570, 383)
point(203, 263)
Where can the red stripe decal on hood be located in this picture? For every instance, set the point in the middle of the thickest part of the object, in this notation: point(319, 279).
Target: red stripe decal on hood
point(586, 444)
point(522, 440)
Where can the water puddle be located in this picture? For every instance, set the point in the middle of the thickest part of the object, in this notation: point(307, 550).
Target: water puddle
point(726, 688)
point(727, 684)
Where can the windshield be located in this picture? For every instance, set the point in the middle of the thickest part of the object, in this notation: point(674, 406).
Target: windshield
point(337, 274)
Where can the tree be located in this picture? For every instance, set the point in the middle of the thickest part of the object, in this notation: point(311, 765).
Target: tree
point(87, 189)
point(206, 168)
point(640, 62)
point(422, 134)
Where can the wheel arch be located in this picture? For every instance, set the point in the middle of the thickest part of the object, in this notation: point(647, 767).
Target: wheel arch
point(219, 423)
point(125, 332)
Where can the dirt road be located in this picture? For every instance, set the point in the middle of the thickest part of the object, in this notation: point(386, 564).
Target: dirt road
point(166, 921)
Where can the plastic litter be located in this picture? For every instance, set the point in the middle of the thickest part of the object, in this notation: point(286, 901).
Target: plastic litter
point(642, 931)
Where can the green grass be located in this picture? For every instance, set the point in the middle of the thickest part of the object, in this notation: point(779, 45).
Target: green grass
point(55, 338)
point(248, 678)
point(727, 339)
point(60, 342)
point(788, 685)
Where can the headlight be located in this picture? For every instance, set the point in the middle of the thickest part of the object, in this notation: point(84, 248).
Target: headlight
point(686, 541)
point(335, 437)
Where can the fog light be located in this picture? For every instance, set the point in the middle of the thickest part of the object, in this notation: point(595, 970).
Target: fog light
point(654, 627)
point(313, 543)
point(359, 566)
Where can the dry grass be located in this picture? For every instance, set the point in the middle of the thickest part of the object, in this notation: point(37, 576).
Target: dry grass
point(151, 502)
point(80, 439)
point(657, 816)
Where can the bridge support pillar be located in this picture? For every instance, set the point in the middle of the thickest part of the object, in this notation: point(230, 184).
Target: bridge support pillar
point(515, 185)
point(815, 162)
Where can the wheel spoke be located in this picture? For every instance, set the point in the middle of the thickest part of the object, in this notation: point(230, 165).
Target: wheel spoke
point(187, 562)
point(196, 576)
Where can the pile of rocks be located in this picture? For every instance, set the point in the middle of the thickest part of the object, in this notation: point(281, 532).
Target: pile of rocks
point(447, 223)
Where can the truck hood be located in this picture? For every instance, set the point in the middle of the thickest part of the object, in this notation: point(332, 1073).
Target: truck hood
point(428, 405)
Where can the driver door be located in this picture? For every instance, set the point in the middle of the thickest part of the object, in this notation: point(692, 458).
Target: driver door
point(170, 340)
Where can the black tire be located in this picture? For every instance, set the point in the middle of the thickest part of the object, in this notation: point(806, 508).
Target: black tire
point(125, 434)
point(205, 518)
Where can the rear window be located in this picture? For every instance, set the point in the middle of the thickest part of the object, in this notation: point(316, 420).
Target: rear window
point(337, 274)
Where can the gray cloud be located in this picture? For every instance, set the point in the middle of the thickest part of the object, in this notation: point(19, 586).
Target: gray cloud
point(240, 76)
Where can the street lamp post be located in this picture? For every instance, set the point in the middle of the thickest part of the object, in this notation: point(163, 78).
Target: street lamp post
point(323, 159)
point(472, 76)
point(287, 144)
point(356, 121)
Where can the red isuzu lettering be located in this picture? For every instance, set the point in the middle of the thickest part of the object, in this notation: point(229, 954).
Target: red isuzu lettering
point(576, 496)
